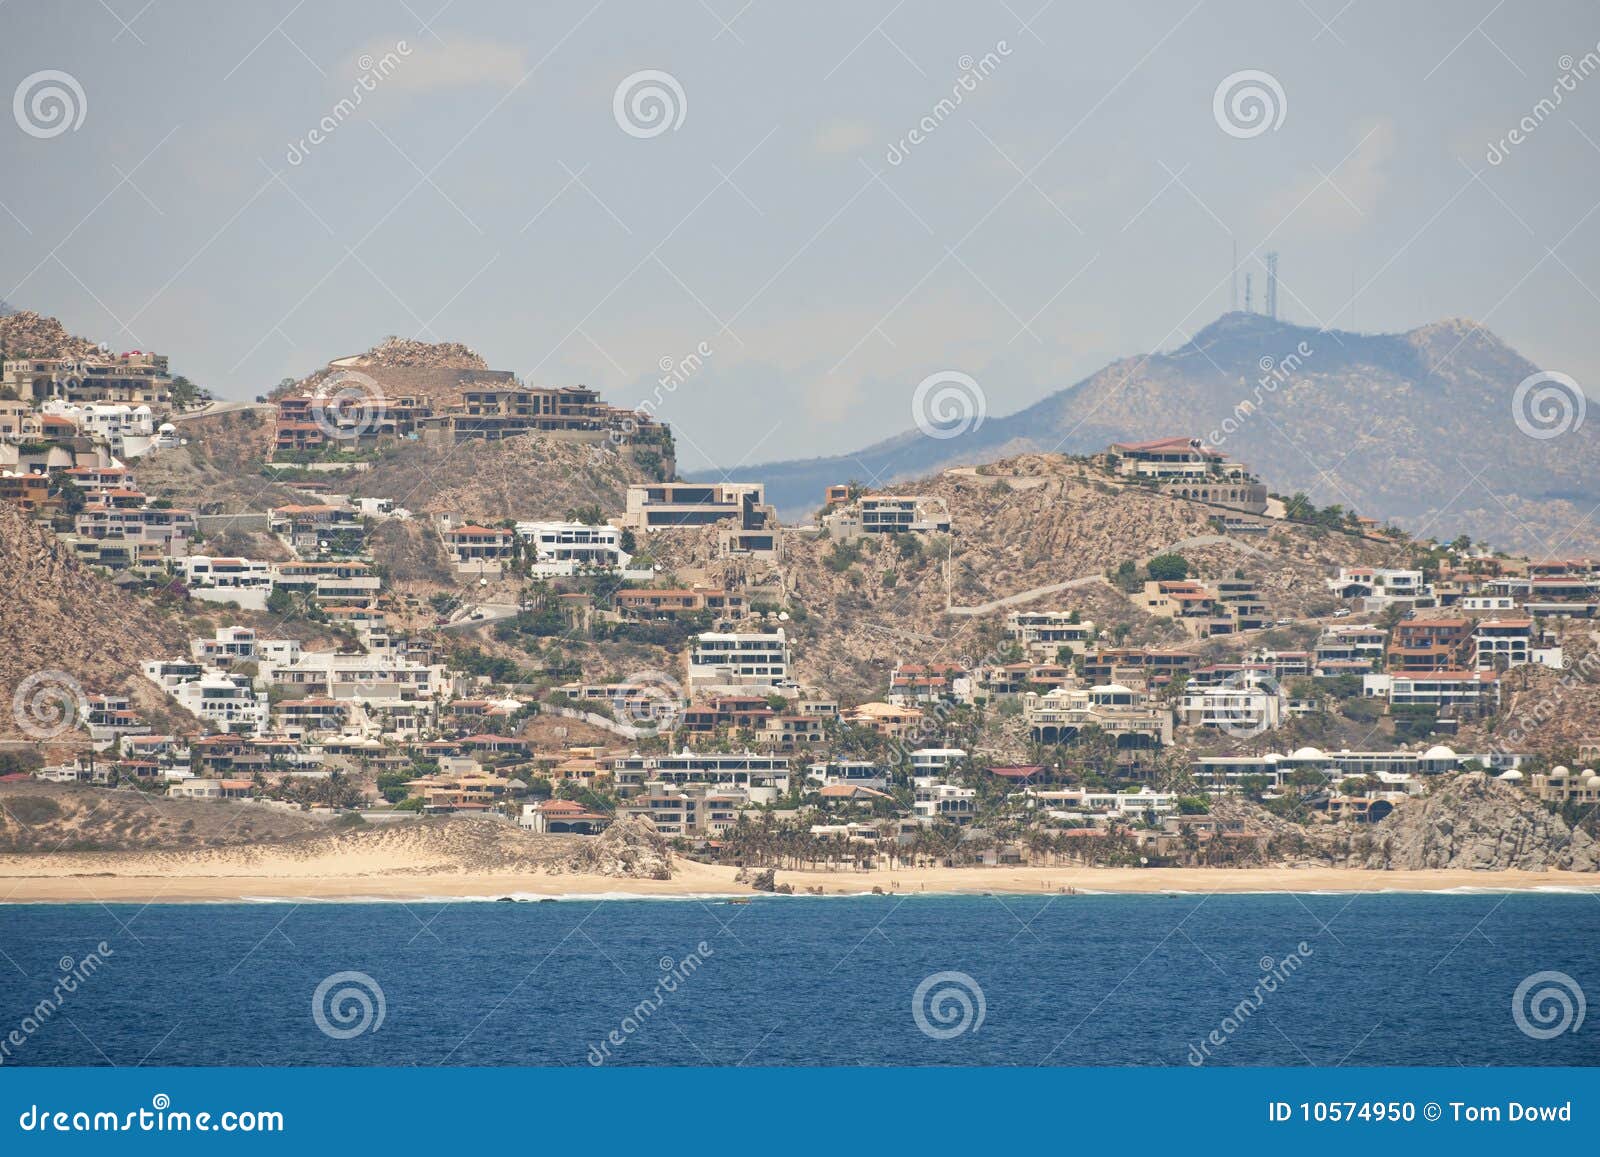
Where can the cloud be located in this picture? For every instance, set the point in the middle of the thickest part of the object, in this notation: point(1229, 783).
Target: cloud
point(424, 64)
point(1341, 200)
point(842, 137)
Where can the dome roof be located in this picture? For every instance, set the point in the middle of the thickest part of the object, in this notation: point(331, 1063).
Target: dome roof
point(1559, 769)
point(1308, 753)
point(1513, 774)
point(1438, 751)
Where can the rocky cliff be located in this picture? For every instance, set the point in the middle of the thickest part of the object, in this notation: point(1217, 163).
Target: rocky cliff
point(1474, 822)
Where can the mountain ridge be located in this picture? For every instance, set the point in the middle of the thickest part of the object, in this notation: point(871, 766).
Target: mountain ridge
point(1390, 424)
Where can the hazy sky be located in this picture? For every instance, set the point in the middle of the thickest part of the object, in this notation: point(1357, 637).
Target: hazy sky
point(1075, 205)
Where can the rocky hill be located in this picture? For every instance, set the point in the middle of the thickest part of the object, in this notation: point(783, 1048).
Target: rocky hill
point(401, 367)
point(1394, 425)
point(24, 333)
point(531, 476)
point(1040, 532)
point(57, 615)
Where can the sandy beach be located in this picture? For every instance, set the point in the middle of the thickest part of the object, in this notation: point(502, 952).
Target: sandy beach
point(222, 876)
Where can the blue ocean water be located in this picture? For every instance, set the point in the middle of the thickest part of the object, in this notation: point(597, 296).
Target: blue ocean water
point(1385, 979)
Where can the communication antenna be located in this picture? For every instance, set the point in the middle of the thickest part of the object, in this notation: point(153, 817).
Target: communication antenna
point(1234, 302)
point(1272, 285)
point(1248, 300)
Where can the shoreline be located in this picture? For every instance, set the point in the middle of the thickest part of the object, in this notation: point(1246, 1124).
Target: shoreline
point(248, 883)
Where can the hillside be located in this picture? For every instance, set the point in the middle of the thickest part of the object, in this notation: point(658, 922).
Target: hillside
point(531, 476)
point(24, 333)
point(437, 372)
point(58, 615)
point(1394, 425)
point(39, 817)
point(1019, 525)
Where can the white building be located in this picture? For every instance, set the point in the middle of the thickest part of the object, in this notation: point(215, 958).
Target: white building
point(732, 661)
point(565, 548)
point(1046, 632)
point(375, 681)
point(230, 702)
point(763, 777)
point(850, 772)
point(931, 762)
point(1378, 586)
point(945, 801)
point(244, 581)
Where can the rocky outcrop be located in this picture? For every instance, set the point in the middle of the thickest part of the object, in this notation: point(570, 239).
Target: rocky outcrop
point(1472, 821)
point(28, 334)
point(630, 848)
point(759, 879)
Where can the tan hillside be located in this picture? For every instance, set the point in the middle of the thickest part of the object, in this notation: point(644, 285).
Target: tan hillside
point(1019, 525)
point(28, 334)
point(39, 817)
point(57, 615)
point(436, 371)
point(531, 476)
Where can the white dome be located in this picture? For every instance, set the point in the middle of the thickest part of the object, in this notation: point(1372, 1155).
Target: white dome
point(1513, 775)
point(1308, 753)
point(1593, 781)
point(1438, 751)
point(1559, 770)
point(167, 428)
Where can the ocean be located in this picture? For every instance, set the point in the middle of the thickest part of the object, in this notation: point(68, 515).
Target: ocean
point(1477, 978)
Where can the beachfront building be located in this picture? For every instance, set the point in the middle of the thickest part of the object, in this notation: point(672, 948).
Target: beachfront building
point(762, 777)
point(1398, 769)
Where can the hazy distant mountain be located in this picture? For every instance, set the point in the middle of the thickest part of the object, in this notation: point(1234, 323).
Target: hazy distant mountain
point(1416, 428)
